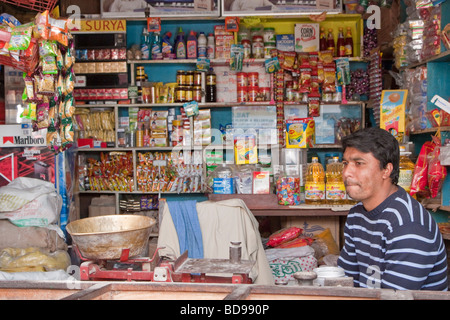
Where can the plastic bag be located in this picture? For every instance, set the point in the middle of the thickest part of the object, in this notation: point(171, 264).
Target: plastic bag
point(283, 235)
point(32, 259)
point(419, 181)
point(436, 172)
point(30, 202)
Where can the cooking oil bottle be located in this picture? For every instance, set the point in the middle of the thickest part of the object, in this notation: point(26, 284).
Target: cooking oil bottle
point(315, 183)
point(406, 170)
point(335, 189)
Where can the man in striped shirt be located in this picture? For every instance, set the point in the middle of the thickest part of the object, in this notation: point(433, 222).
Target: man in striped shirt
point(391, 240)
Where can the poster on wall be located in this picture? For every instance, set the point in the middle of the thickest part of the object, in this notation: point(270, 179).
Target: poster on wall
point(24, 153)
point(279, 7)
point(159, 8)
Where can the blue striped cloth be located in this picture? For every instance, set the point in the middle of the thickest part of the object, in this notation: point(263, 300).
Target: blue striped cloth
point(397, 245)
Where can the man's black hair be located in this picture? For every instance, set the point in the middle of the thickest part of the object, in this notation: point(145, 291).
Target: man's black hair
point(382, 144)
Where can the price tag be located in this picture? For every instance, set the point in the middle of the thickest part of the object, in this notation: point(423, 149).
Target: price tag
point(154, 24)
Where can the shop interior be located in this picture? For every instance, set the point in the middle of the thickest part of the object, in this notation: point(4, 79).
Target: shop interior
point(199, 141)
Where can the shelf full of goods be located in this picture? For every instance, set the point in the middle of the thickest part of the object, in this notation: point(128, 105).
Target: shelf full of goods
point(43, 50)
point(290, 76)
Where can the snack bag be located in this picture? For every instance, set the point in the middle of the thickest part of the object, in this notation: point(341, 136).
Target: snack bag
point(283, 235)
point(420, 176)
point(436, 171)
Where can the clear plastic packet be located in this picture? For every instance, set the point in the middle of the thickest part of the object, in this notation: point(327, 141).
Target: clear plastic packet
point(21, 37)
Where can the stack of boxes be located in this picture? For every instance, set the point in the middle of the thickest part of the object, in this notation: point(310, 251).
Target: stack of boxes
point(224, 40)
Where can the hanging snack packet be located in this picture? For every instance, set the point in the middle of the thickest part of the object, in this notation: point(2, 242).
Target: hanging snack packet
point(326, 56)
point(45, 84)
point(21, 37)
point(28, 93)
point(58, 31)
point(47, 48)
point(42, 115)
point(314, 104)
point(305, 78)
point(48, 64)
point(29, 112)
point(69, 82)
point(289, 61)
point(41, 28)
point(329, 71)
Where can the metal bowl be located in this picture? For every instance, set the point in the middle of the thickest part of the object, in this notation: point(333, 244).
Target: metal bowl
point(104, 237)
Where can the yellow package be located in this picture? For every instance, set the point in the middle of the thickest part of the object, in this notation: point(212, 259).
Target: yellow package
point(300, 133)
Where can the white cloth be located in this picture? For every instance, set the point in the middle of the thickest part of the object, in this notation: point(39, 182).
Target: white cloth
point(222, 222)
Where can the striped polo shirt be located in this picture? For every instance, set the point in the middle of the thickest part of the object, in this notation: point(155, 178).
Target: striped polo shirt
point(397, 245)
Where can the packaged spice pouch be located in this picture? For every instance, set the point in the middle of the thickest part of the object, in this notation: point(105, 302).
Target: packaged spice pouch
point(59, 60)
point(47, 48)
point(329, 71)
point(21, 37)
point(41, 28)
point(314, 104)
point(288, 61)
point(303, 58)
point(305, 77)
point(326, 56)
point(58, 30)
point(29, 112)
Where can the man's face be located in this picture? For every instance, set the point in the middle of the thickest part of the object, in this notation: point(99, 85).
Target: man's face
point(362, 175)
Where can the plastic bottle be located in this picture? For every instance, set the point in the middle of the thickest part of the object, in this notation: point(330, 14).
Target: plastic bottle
point(322, 40)
point(340, 43)
point(166, 45)
point(180, 45)
point(202, 45)
point(191, 45)
point(335, 188)
point(156, 46)
point(211, 47)
point(349, 43)
point(210, 86)
point(330, 42)
point(145, 44)
point(315, 183)
point(406, 170)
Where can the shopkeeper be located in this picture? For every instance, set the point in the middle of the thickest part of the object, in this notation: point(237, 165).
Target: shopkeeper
point(391, 240)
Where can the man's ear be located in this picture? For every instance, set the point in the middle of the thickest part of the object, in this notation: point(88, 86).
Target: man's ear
point(388, 170)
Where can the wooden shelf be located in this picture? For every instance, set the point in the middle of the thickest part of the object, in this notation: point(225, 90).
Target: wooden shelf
point(431, 130)
point(442, 57)
point(267, 205)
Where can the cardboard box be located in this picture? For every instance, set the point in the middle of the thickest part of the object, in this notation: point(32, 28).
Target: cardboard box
point(307, 37)
point(285, 42)
point(103, 205)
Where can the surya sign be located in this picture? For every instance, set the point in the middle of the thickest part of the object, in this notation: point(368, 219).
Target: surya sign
point(103, 25)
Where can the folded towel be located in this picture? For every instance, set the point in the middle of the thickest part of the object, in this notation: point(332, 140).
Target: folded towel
point(185, 219)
